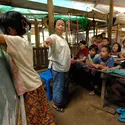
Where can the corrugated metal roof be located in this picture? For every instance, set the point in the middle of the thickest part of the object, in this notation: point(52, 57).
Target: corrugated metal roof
point(22, 10)
point(69, 4)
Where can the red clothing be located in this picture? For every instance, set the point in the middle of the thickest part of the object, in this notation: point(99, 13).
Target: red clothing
point(82, 53)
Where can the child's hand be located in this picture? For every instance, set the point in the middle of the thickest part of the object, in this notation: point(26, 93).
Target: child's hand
point(113, 68)
point(98, 66)
point(104, 69)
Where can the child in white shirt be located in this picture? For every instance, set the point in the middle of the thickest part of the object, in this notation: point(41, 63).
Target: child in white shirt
point(26, 80)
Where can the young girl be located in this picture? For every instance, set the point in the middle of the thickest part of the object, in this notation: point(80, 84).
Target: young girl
point(116, 52)
point(82, 52)
point(27, 81)
point(60, 60)
point(93, 50)
point(123, 48)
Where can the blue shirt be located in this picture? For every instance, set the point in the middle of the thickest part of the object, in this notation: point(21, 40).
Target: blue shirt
point(108, 62)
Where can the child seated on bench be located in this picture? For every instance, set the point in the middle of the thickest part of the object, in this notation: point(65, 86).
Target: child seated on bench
point(103, 62)
point(93, 50)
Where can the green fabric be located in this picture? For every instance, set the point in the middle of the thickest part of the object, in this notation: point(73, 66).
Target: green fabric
point(83, 21)
point(117, 71)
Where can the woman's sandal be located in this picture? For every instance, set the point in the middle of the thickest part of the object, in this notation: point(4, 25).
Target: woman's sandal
point(58, 109)
point(121, 118)
point(120, 110)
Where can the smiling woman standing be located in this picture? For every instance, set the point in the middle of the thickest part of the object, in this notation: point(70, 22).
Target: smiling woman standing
point(60, 59)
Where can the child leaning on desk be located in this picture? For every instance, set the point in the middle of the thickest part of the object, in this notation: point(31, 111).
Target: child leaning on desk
point(102, 62)
point(93, 53)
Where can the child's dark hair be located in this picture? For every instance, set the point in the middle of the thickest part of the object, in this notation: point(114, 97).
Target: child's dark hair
point(107, 47)
point(83, 42)
point(94, 47)
point(13, 20)
point(119, 46)
point(57, 20)
point(106, 38)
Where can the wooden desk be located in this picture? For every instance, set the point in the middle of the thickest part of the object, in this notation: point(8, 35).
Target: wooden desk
point(102, 105)
point(104, 77)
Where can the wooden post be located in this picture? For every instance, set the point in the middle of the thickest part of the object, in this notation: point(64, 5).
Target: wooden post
point(110, 20)
point(66, 34)
point(93, 24)
point(87, 34)
point(42, 30)
point(77, 32)
point(37, 36)
point(50, 16)
point(96, 28)
point(118, 33)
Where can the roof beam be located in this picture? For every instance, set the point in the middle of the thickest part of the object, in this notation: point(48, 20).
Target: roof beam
point(5, 2)
point(117, 3)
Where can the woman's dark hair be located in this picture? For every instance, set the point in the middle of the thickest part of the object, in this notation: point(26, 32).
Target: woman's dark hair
point(14, 20)
point(107, 47)
point(119, 46)
point(57, 20)
point(94, 47)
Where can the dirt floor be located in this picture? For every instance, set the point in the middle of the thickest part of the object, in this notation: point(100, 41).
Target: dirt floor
point(80, 110)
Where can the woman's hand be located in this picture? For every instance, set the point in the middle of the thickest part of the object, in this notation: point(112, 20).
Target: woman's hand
point(48, 42)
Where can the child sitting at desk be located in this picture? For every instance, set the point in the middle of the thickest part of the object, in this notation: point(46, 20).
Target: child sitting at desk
point(78, 61)
point(82, 52)
point(93, 50)
point(103, 62)
point(116, 52)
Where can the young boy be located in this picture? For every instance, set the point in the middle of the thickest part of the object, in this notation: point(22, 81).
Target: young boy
point(105, 41)
point(103, 62)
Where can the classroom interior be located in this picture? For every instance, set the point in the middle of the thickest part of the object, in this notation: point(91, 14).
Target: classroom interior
point(84, 19)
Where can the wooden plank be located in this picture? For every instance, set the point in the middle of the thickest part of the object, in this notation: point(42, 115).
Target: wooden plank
point(5, 2)
point(109, 109)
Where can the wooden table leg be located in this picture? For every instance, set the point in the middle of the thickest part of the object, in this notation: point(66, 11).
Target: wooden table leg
point(103, 93)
